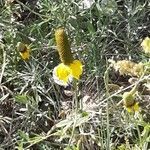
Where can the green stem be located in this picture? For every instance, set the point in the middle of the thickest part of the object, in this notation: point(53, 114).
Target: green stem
point(3, 66)
point(106, 78)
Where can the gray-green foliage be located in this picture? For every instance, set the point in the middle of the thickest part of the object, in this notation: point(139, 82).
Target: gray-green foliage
point(31, 100)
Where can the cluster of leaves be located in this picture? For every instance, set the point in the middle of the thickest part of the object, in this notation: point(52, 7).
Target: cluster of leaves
point(32, 112)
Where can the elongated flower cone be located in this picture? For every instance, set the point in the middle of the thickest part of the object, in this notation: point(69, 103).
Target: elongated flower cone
point(63, 47)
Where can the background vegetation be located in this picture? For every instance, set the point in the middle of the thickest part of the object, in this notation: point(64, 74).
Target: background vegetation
point(35, 112)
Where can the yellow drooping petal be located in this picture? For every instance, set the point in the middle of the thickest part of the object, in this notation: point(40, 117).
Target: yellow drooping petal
point(25, 55)
point(146, 45)
point(23, 50)
point(76, 69)
point(134, 108)
point(129, 109)
point(62, 72)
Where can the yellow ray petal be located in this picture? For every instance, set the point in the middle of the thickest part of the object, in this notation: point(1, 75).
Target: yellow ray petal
point(136, 107)
point(25, 55)
point(76, 69)
point(62, 72)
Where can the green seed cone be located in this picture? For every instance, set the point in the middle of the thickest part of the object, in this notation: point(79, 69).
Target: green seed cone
point(21, 47)
point(128, 99)
point(63, 46)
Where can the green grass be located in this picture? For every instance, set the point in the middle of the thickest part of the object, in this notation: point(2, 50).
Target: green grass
point(35, 112)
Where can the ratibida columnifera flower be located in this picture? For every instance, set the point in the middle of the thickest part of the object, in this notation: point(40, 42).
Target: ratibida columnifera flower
point(23, 50)
point(129, 101)
point(69, 68)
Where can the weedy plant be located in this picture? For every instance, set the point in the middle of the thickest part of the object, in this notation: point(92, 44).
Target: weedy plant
point(97, 97)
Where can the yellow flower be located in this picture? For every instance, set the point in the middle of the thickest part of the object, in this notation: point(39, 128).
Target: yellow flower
point(129, 101)
point(69, 68)
point(63, 74)
point(133, 108)
point(146, 45)
point(25, 55)
point(24, 50)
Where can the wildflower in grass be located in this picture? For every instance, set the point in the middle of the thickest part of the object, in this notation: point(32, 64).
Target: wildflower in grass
point(129, 101)
point(24, 50)
point(126, 67)
point(146, 45)
point(69, 68)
